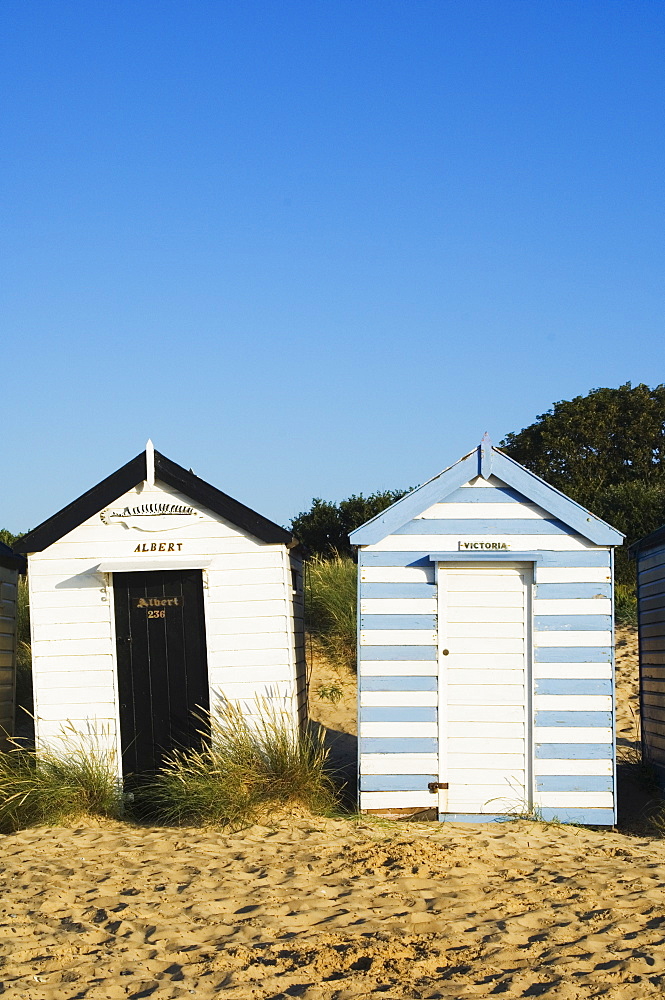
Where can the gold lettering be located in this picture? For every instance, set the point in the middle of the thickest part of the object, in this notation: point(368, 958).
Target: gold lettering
point(162, 546)
point(153, 547)
point(145, 547)
point(171, 547)
point(179, 546)
point(138, 548)
point(142, 603)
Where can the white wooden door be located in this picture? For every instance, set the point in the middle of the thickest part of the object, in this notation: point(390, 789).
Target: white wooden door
point(484, 700)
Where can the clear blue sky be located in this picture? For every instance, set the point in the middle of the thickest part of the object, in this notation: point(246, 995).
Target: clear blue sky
point(318, 248)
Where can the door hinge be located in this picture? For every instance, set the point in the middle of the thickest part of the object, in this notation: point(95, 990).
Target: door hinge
point(435, 786)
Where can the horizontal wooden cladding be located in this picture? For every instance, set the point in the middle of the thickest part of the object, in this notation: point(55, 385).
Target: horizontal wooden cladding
point(583, 766)
point(398, 652)
point(654, 589)
point(398, 745)
point(573, 686)
point(62, 700)
point(395, 782)
point(221, 677)
point(583, 816)
point(6, 658)
point(653, 615)
point(573, 701)
point(433, 542)
point(399, 606)
point(575, 751)
point(74, 631)
point(247, 625)
point(250, 693)
point(484, 511)
point(472, 676)
point(652, 644)
point(478, 527)
point(573, 609)
point(487, 644)
point(574, 783)
point(587, 558)
point(399, 684)
point(467, 732)
point(401, 729)
point(579, 800)
point(50, 663)
point(572, 718)
point(572, 734)
point(398, 698)
point(387, 800)
point(87, 680)
point(411, 575)
point(397, 668)
point(465, 597)
point(399, 713)
point(555, 592)
point(75, 613)
point(649, 576)
point(405, 763)
point(398, 637)
point(463, 712)
point(6, 642)
point(572, 574)
point(573, 654)
point(265, 607)
point(580, 671)
point(575, 637)
point(248, 658)
point(398, 591)
point(403, 622)
point(484, 630)
point(246, 640)
point(649, 558)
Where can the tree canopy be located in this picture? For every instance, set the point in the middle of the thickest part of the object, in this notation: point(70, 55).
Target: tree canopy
point(607, 451)
point(324, 528)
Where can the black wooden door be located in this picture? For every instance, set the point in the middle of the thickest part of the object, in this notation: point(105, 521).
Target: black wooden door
point(162, 664)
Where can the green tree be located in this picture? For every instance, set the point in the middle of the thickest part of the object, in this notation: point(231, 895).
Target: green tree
point(607, 451)
point(587, 444)
point(324, 528)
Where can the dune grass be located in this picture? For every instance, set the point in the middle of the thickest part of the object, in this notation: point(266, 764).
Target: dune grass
point(49, 787)
point(330, 608)
point(625, 605)
point(248, 765)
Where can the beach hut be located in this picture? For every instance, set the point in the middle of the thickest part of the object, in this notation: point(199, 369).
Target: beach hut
point(153, 596)
point(485, 652)
point(10, 567)
point(649, 554)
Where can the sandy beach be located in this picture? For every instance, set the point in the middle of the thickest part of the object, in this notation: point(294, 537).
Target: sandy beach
point(329, 909)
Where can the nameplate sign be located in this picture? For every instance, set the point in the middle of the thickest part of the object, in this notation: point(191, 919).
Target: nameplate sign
point(483, 546)
point(159, 547)
point(151, 516)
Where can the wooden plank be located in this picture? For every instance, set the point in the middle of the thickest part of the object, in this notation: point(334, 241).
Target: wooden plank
point(397, 574)
point(472, 677)
point(575, 606)
point(74, 632)
point(488, 645)
point(240, 641)
point(485, 512)
point(398, 637)
point(572, 703)
point(397, 668)
point(217, 609)
point(484, 730)
point(487, 745)
point(572, 670)
point(395, 782)
point(581, 800)
point(479, 527)
point(485, 630)
point(552, 766)
point(472, 599)
point(573, 638)
point(572, 734)
point(573, 574)
point(503, 616)
point(496, 695)
point(393, 763)
point(398, 698)
point(390, 800)
point(471, 714)
point(246, 626)
point(96, 700)
point(485, 762)
point(398, 729)
point(406, 605)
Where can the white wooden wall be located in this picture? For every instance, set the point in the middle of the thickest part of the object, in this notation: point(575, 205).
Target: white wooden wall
point(572, 691)
point(8, 581)
point(249, 610)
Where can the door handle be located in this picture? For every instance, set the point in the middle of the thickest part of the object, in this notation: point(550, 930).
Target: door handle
point(445, 652)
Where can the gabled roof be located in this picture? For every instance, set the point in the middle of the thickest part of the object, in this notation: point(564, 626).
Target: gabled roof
point(655, 538)
point(10, 560)
point(167, 472)
point(486, 461)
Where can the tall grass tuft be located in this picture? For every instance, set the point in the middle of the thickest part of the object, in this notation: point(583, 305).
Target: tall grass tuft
point(47, 787)
point(246, 767)
point(625, 605)
point(330, 608)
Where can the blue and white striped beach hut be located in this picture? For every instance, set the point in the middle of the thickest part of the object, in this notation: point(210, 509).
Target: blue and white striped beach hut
point(486, 682)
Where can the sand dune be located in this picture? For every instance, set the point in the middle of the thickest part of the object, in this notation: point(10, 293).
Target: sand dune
point(334, 909)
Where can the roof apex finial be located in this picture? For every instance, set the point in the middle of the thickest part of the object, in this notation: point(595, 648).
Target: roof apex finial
point(485, 454)
point(150, 463)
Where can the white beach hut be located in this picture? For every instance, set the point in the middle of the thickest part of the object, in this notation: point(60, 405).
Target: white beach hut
point(153, 595)
point(486, 650)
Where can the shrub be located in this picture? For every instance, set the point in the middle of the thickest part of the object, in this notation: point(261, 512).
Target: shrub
point(625, 604)
point(46, 787)
point(247, 765)
point(330, 608)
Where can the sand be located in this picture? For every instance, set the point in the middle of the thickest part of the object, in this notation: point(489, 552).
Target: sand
point(328, 909)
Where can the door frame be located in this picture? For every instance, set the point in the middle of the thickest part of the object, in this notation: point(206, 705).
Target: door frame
point(527, 562)
point(125, 567)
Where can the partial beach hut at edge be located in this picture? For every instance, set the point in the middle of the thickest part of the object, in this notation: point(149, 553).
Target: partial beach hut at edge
point(486, 650)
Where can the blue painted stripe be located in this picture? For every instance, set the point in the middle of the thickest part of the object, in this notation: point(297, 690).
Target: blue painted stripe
point(398, 621)
point(408, 714)
point(369, 591)
point(587, 817)
point(402, 559)
point(398, 652)
point(573, 686)
point(574, 751)
point(396, 783)
point(481, 494)
point(398, 744)
point(574, 782)
point(571, 654)
point(482, 526)
point(582, 719)
point(475, 817)
point(583, 557)
point(572, 623)
point(398, 683)
point(570, 591)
